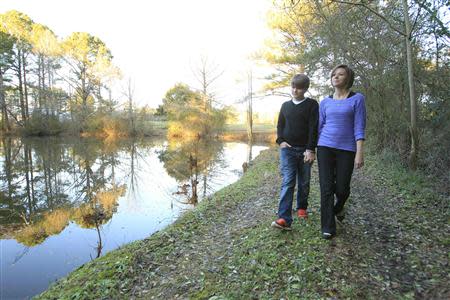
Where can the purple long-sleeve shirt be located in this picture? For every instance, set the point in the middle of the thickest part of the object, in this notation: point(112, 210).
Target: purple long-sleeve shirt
point(342, 122)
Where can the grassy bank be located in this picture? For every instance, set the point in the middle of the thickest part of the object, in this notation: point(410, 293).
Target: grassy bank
point(225, 248)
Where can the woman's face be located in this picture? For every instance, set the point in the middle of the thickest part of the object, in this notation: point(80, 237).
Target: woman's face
point(339, 78)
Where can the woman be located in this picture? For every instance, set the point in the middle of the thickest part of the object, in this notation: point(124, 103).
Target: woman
point(342, 122)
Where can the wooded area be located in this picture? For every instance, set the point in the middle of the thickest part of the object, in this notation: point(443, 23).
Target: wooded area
point(399, 51)
point(400, 54)
point(50, 85)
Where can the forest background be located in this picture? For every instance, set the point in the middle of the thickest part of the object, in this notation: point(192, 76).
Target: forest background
point(398, 49)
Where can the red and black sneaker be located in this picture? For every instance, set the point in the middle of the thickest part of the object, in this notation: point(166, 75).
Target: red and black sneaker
point(281, 224)
point(302, 214)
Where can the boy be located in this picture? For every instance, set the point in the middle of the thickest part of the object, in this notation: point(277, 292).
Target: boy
point(297, 137)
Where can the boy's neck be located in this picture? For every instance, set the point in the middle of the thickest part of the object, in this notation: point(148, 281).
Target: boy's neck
point(301, 99)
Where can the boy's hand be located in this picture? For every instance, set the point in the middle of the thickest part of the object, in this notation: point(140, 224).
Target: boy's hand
point(284, 145)
point(309, 157)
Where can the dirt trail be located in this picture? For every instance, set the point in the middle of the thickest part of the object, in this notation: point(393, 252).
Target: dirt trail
point(398, 244)
point(181, 272)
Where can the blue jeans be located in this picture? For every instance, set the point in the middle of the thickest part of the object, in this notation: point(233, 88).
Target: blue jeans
point(293, 168)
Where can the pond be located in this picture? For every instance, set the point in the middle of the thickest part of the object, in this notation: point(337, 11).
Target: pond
point(64, 202)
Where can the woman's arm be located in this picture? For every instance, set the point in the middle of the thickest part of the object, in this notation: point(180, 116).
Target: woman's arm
point(359, 125)
point(322, 117)
point(360, 131)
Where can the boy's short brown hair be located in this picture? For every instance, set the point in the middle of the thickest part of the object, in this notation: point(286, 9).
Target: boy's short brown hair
point(300, 81)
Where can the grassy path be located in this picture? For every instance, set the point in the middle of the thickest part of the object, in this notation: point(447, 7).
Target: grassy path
point(393, 245)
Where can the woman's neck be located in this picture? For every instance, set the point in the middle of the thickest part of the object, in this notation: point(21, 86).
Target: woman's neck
point(340, 93)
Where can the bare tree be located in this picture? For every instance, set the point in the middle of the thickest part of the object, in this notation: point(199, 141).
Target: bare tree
point(206, 73)
point(129, 94)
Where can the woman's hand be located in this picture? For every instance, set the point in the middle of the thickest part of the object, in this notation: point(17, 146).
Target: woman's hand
point(359, 160)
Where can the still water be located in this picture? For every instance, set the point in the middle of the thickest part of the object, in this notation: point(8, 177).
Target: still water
point(65, 202)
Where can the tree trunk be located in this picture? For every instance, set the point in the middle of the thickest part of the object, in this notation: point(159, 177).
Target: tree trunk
point(5, 127)
point(40, 82)
point(130, 93)
point(84, 94)
point(250, 109)
point(19, 75)
point(48, 90)
point(412, 96)
point(25, 88)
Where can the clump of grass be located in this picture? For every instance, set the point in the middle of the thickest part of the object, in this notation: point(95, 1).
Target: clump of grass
point(102, 278)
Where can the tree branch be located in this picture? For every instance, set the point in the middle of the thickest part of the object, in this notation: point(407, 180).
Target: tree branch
point(433, 15)
point(374, 12)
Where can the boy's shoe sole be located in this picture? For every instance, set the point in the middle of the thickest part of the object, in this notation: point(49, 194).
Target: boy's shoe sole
point(277, 225)
point(327, 235)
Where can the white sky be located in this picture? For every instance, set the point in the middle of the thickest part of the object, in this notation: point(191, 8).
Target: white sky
point(157, 43)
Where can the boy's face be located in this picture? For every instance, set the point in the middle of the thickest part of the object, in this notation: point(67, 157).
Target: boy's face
point(298, 91)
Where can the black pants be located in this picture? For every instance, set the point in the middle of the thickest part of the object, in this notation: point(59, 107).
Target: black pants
point(335, 174)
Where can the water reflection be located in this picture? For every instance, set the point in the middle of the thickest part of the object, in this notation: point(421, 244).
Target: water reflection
point(64, 202)
point(191, 161)
point(45, 188)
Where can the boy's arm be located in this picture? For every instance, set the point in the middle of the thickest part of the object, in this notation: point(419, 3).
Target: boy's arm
point(313, 121)
point(280, 127)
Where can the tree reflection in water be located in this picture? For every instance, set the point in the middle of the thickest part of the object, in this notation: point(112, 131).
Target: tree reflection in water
point(98, 211)
point(187, 160)
point(46, 184)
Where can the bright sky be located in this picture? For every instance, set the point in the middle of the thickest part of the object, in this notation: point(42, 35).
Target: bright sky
point(159, 43)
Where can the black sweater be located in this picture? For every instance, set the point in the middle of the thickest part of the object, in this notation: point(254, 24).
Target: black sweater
point(297, 124)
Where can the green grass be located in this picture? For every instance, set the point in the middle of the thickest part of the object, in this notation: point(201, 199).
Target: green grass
point(99, 279)
point(416, 188)
point(273, 264)
point(269, 264)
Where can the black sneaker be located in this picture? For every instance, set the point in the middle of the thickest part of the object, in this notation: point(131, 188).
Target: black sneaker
point(340, 216)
